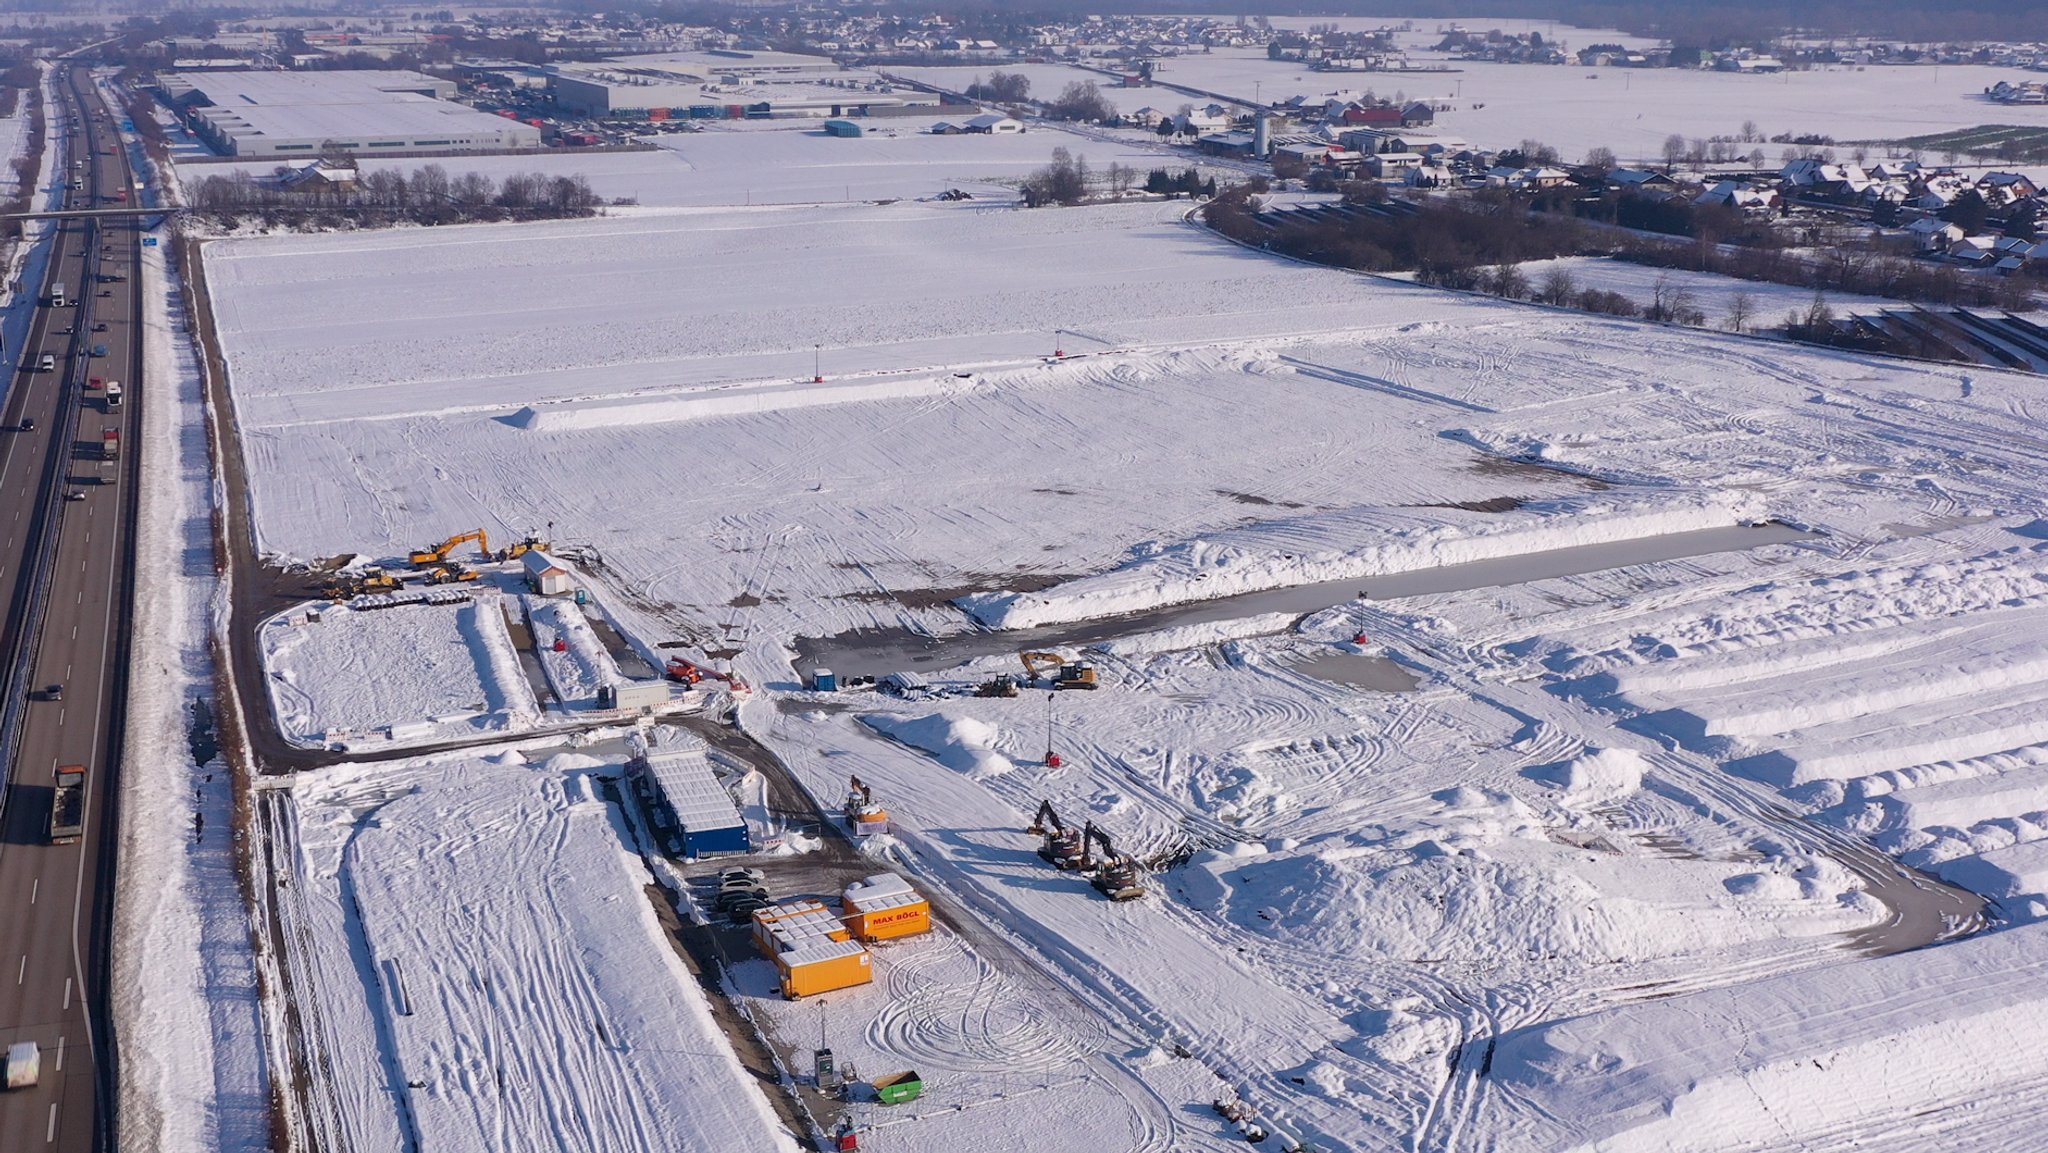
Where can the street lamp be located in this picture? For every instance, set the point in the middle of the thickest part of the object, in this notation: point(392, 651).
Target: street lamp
point(1052, 759)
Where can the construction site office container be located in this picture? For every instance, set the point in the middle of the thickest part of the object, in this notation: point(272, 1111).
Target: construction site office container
point(703, 809)
point(545, 575)
point(781, 927)
point(640, 694)
point(822, 967)
point(885, 906)
point(810, 948)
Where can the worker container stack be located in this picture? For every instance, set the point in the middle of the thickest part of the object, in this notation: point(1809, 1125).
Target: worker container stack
point(709, 824)
point(813, 950)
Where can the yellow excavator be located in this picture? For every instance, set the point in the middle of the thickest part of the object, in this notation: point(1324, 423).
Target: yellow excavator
point(450, 572)
point(370, 580)
point(1066, 674)
point(532, 543)
point(438, 553)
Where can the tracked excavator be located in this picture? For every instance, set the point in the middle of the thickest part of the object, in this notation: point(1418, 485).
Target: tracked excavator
point(370, 580)
point(1113, 874)
point(1064, 674)
point(1063, 846)
point(436, 554)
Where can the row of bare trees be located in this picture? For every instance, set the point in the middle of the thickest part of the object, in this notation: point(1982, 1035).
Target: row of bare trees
point(1864, 269)
point(29, 164)
point(427, 195)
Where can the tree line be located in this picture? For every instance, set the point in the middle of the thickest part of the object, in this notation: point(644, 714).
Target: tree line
point(427, 195)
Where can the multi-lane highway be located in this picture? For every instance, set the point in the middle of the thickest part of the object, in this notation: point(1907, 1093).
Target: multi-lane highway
point(66, 573)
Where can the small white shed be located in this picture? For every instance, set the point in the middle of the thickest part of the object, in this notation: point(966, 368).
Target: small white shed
point(546, 575)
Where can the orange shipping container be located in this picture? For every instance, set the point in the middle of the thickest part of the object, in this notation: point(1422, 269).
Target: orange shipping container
point(823, 966)
point(885, 906)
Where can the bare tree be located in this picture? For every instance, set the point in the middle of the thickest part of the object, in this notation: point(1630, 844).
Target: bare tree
point(1559, 286)
point(1507, 279)
point(1741, 309)
point(1601, 160)
point(1749, 132)
point(1674, 150)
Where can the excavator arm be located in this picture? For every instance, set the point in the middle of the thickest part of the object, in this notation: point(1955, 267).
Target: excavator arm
point(1034, 661)
point(1046, 820)
point(439, 552)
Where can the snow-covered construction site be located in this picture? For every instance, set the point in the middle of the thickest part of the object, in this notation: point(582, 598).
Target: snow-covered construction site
point(1286, 702)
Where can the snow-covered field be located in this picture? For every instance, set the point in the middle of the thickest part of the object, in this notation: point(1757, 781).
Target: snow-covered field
point(1710, 293)
point(790, 163)
point(1630, 110)
point(1607, 793)
point(489, 972)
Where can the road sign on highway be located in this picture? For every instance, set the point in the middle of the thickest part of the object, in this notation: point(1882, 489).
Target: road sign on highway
point(149, 242)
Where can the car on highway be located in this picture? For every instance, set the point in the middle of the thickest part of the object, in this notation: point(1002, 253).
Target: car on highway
point(28, 424)
point(95, 382)
point(99, 350)
point(48, 363)
point(99, 326)
point(75, 494)
point(52, 692)
point(111, 278)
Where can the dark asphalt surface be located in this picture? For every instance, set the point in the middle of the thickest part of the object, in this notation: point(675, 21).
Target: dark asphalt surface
point(55, 899)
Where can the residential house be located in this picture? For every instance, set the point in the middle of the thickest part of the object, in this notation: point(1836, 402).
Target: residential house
point(1427, 175)
point(2000, 189)
point(1739, 194)
point(1640, 181)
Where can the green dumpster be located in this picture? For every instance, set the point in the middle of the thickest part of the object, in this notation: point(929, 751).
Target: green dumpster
point(899, 1088)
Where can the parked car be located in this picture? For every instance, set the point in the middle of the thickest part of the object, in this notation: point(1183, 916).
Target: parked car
point(741, 912)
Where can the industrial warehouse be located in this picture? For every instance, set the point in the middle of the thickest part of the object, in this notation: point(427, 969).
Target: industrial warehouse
point(266, 114)
point(722, 84)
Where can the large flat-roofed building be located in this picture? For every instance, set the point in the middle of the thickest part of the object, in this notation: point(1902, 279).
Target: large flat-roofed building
point(264, 114)
point(727, 84)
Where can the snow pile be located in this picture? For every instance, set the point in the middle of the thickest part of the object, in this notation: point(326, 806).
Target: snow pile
point(1308, 550)
point(1406, 1032)
point(960, 743)
point(1481, 871)
point(1594, 777)
point(547, 1013)
point(1196, 636)
point(736, 400)
point(1881, 1045)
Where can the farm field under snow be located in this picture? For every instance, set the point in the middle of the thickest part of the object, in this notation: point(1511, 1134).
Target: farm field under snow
point(1629, 110)
point(1605, 789)
point(788, 163)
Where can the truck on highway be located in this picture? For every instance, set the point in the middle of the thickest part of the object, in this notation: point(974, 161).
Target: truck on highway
point(110, 444)
point(24, 1064)
point(113, 394)
point(67, 805)
point(58, 297)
